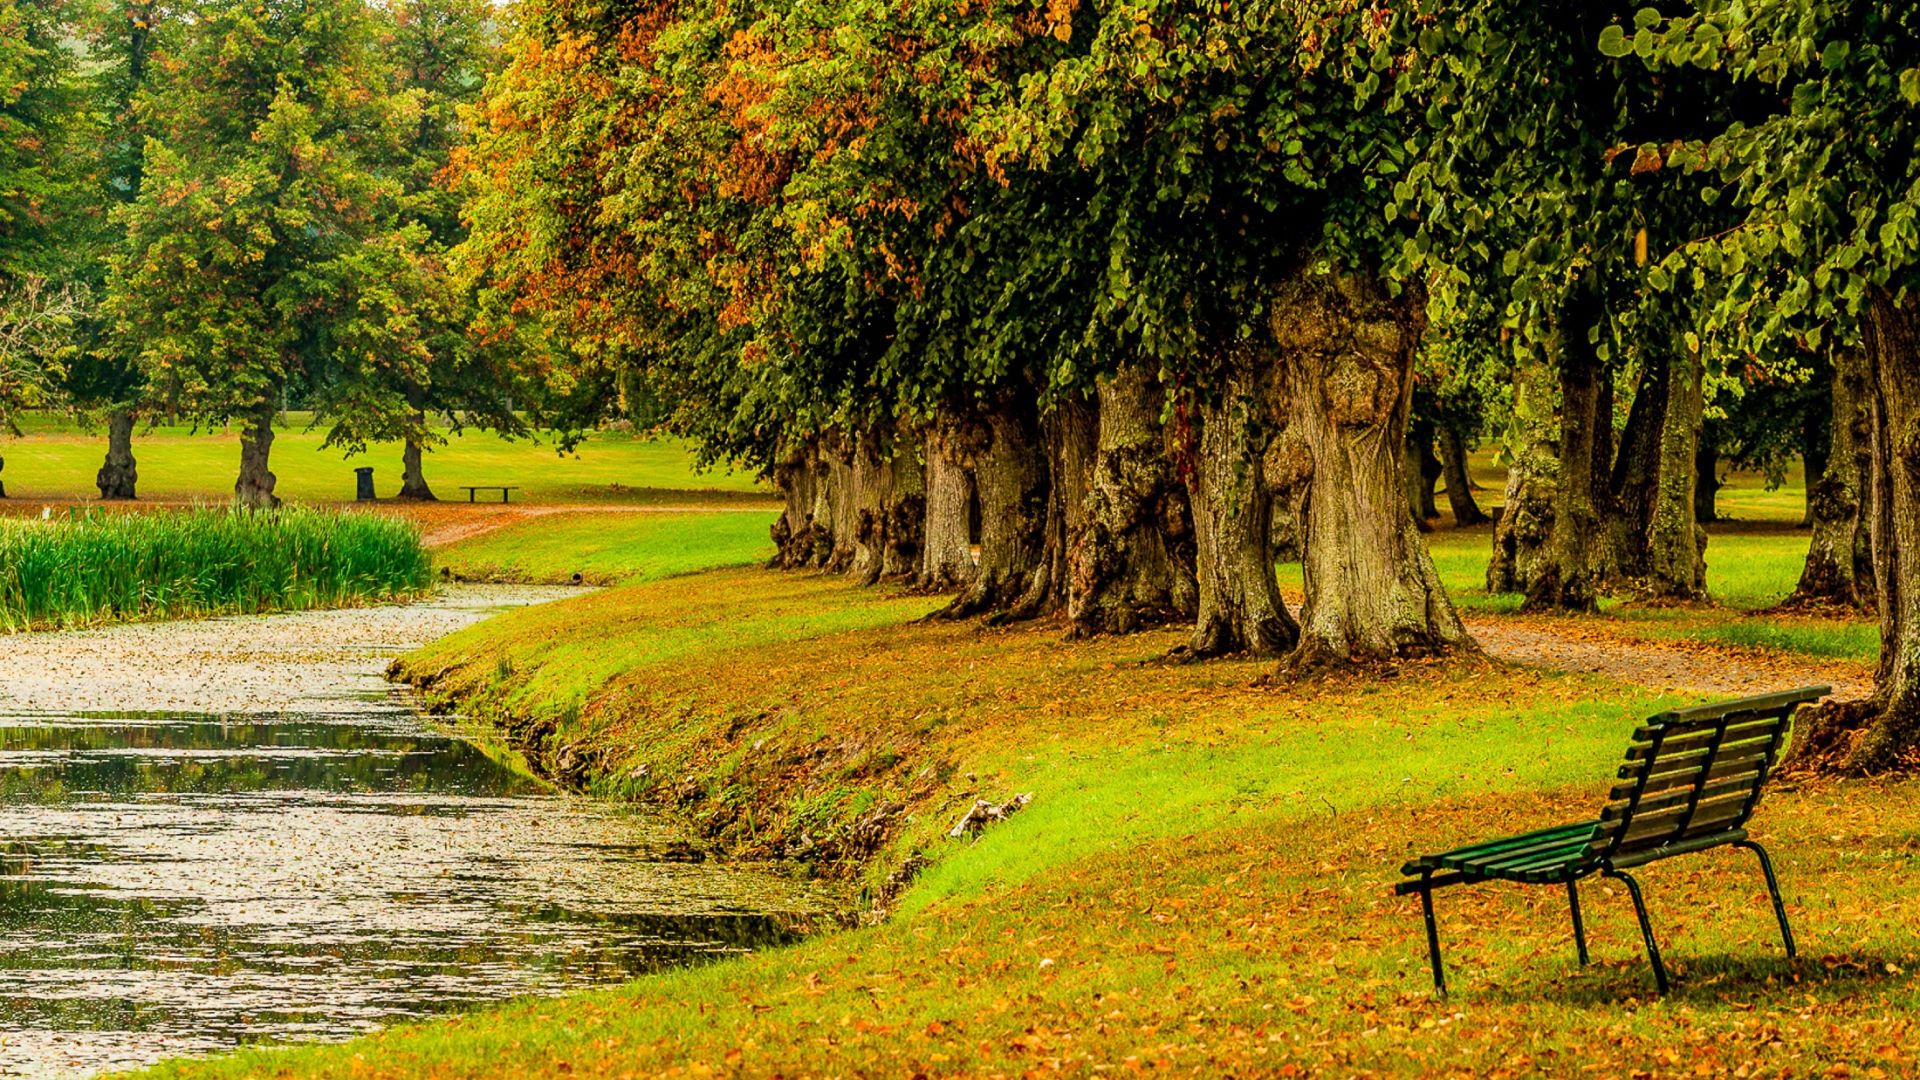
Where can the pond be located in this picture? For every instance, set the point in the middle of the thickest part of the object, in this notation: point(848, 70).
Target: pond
point(178, 883)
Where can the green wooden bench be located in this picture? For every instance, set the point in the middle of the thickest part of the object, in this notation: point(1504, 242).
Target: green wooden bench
point(1690, 782)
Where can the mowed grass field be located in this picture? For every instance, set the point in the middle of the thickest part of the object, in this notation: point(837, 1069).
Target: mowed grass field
point(55, 461)
point(1201, 886)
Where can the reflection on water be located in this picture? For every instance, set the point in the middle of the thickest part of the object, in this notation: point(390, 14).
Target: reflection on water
point(181, 884)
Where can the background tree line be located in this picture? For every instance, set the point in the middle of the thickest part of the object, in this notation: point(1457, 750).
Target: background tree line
point(210, 209)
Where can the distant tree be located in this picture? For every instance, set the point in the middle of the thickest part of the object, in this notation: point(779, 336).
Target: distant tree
point(262, 250)
point(436, 55)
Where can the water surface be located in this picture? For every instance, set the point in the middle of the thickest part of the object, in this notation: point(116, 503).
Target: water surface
point(177, 884)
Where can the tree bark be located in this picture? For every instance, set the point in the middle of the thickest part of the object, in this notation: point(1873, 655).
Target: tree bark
point(1346, 350)
point(1068, 434)
point(888, 495)
point(254, 488)
point(835, 516)
point(3, 485)
point(1526, 518)
point(1676, 567)
point(1453, 464)
point(1239, 605)
point(1883, 731)
point(1125, 567)
point(119, 475)
point(413, 479)
point(946, 551)
point(1569, 570)
point(797, 477)
point(1839, 566)
point(1011, 478)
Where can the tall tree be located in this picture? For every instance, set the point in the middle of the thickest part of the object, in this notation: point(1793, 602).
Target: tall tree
point(261, 253)
point(1822, 173)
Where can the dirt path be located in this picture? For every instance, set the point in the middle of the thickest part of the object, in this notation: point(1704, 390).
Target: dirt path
point(1687, 667)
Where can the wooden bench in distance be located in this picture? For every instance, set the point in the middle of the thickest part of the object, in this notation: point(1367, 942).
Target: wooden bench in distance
point(503, 489)
point(1690, 782)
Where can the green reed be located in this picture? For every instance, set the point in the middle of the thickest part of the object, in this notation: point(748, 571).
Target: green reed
point(89, 567)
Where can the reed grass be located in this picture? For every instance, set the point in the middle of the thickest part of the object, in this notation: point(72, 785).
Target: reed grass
point(85, 568)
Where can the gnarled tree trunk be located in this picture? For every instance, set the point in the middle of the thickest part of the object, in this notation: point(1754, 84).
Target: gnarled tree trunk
point(796, 475)
point(1533, 470)
point(119, 475)
point(1883, 732)
point(1068, 435)
point(1346, 351)
point(1839, 566)
point(1010, 474)
point(255, 486)
point(835, 516)
point(1453, 465)
point(946, 550)
point(1240, 610)
point(888, 494)
point(1126, 567)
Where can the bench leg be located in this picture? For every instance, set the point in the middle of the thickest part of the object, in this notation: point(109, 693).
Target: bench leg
point(1433, 935)
point(1773, 890)
point(1646, 928)
point(1579, 927)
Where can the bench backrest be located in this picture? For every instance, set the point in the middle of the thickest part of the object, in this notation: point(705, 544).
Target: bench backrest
point(1691, 773)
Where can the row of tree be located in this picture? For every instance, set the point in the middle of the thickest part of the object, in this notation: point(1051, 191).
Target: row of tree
point(209, 207)
point(1152, 288)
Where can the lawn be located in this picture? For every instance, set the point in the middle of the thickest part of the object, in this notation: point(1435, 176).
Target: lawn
point(611, 546)
point(56, 461)
point(1202, 882)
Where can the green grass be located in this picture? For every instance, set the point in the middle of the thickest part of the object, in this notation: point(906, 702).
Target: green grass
point(57, 461)
point(1201, 885)
point(82, 568)
point(608, 547)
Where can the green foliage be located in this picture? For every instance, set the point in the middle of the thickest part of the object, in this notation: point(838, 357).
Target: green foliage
point(260, 248)
point(86, 568)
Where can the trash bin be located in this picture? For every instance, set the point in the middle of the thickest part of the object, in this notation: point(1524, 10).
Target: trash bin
point(363, 483)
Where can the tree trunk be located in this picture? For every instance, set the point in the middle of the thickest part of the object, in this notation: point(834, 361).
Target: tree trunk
point(413, 480)
point(118, 476)
point(1453, 464)
point(1068, 432)
point(1706, 471)
point(1883, 732)
point(1816, 446)
point(1839, 567)
point(797, 477)
point(835, 516)
point(1676, 544)
point(3, 486)
point(1569, 570)
point(946, 550)
point(888, 495)
point(1125, 570)
point(1422, 470)
point(1346, 350)
point(254, 488)
point(1011, 477)
point(1526, 518)
point(1240, 610)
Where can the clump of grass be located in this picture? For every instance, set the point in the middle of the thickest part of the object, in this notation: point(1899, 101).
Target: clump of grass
point(90, 567)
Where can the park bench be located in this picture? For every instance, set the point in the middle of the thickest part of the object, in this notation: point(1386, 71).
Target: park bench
point(503, 489)
point(1689, 783)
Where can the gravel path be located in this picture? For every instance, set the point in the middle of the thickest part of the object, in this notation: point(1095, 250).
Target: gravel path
point(308, 661)
point(1677, 666)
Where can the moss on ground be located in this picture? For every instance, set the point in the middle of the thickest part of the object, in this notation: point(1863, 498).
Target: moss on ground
point(1202, 882)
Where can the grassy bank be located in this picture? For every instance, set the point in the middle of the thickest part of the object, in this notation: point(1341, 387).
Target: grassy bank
point(86, 568)
point(1201, 882)
point(609, 547)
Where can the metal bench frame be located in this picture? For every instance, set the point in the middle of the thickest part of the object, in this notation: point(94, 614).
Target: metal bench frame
point(1690, 782)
